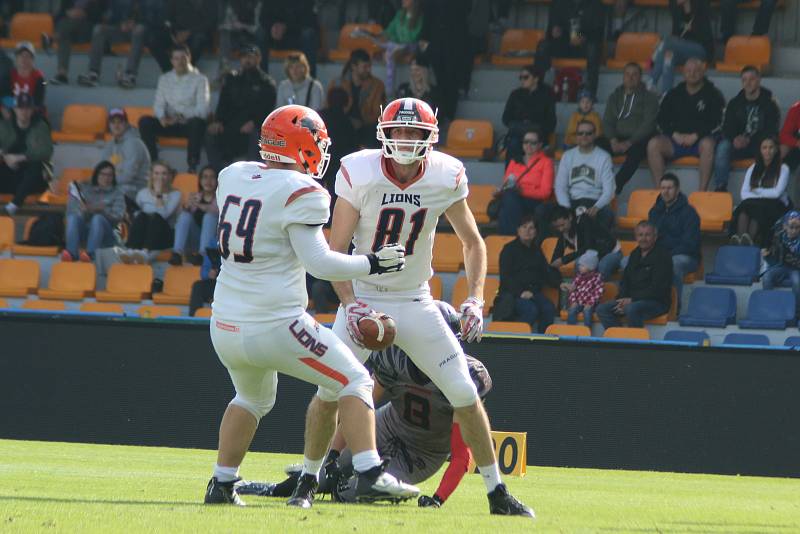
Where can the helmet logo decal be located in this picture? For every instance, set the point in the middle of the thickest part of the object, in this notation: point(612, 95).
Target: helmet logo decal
point(273, 142)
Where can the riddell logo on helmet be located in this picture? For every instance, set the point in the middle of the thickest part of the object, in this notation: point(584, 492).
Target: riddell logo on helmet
point(274, 142)
point(269, 156)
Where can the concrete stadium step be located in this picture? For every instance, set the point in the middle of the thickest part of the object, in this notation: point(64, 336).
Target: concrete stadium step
point(82, 155)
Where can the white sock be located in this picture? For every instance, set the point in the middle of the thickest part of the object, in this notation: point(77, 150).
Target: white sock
point(366, 460)
point(226, 474)
point(491, 476)
point(312, 467)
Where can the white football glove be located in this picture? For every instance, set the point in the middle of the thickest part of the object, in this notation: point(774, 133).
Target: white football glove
point(471, 319)
point(353, 313)
point(387, 259)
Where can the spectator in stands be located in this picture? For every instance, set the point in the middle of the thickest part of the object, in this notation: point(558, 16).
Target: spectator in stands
point(325, 298)
point(783, 256)
point(575, 29)
point(152, 228)
point(6, 66)
point(123, 24)
point(290, 26)
point(764, 197)
point(129, 155)
point(419, 84)
point(527, 184)
point(241, 23)
point(689, 116)
point(750, 116)
point(92, 213)
point(728, 11)
point(691, 38)
point(581, 234)
point(203, 289)
point(629, 122)
point(585, 290)
point(585, 177)
point(532, 104)
point(523, 273)
point(189, 24)
point(400, 38)
point(678, 228)
point(73, 24)
point(25, 151)
point(646, 287)
point(790, 137)
point(197, 223)
point(299, 87)
point(366, 95)
point(247, 97)
point(24, 77)
point(341, 129)
point(181, 107)
point(584, 112)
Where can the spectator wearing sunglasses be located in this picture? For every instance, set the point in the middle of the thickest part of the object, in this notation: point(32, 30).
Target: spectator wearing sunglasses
point(532, 104)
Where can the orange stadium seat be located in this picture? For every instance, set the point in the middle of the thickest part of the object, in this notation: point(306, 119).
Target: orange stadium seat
point(102, 307)
point(178, 283)
point(567, 62)
point(275, 54)
point(48, 305)
point(633, 47)
point(3, 303)
point(478, 201)
point(744, 50)
point(469, 138)
point(27, 27)
point(639, 204)
point(70, 281)
point(185, 182)
point(348, 42)
point(153, 312)
point(672, 313)
point(82, 123)
point(435, 284)
point(137, 112)
point(714, 208)
point(18, 277)
point(448, 254)
point(326, 318)
point(6, 233)
point(627, 247)
point(548, 246)
point(490, 288)
point(203, 312)
point(58, 196)
point(610, 292)
point(517, 47)
point(512, 327)
point(495, 244)
point(32, 250)
point(621, 332)
point(573, 330)
point(127, 283)
point(553, 295)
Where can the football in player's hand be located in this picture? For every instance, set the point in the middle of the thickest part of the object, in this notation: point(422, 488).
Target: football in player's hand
point(378, 331)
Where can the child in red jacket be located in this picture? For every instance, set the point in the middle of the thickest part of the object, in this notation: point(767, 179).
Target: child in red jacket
point(585, 290)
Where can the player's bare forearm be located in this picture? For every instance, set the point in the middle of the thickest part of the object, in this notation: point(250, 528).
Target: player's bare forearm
point(343, 225)
point(466, 229)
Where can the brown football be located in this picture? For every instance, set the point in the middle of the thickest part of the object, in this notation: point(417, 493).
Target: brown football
point(378, 331)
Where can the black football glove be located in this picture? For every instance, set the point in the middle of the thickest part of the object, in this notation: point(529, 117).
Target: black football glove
point(429, 502)
point(387, 259)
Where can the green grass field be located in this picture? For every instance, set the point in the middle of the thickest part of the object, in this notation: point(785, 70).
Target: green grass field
point(64, 487)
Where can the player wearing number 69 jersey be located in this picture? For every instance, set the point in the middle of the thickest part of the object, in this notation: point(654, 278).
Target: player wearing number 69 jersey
point(269, 234)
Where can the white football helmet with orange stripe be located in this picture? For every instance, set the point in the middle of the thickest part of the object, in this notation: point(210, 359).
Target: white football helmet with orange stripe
point(407, 113)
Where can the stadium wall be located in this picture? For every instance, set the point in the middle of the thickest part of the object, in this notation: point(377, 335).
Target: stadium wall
point(601, 405)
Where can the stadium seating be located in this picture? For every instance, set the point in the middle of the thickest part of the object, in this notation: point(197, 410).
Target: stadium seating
point(186, 183)
point(27, 27)
point(127, 283)
point(633, 47)
point(153, 312)
point(469, 138)
point(737, 338)
point(627, 247)
point(688, 336)
point(135, 113)
point(44, 305)
point(574, 330)
point(6, 233)
point(101, 307)
point(203, 312)
point(548, 246)
point(770, 309)
point(714, 208)
point(325, 318)
point(448, 253)
point(32, 250)
point(71, 174)
point(744, 50)
point(82, 123)
point(710, 306)
point(495, 244)
point(70, 281)
point(517, 47)
point(349, 42)
point(512, 327)
point(18, 277)
point(671, 314)
point(639, 204)
point(735, 265)
point(478, 201)
point(622, 332)
point(610, 292)
point(177, 285)
point(791, 341)
point(489, 292)
point(3, 303)
point(435, 284)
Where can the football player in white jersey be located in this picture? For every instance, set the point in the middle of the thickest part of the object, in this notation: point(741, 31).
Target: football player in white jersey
point(396, 195)
point(270, 233)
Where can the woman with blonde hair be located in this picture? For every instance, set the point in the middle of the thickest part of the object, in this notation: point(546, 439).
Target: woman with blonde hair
point(299, 87)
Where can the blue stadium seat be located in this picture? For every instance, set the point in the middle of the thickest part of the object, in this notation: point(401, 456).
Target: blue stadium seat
point(710, 306)
point(735, 265)
point(737, 338)
point(792, 341)
point(769, 309)
point(688, 336)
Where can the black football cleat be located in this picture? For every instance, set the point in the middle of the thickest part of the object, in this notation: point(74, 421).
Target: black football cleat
point(223, 492)
point(501, 502)
point(260, 489)
point(303, 495)
point(377, 485)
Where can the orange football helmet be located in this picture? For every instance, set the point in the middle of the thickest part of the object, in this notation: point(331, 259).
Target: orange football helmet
point(296, 134)
point(407, 113)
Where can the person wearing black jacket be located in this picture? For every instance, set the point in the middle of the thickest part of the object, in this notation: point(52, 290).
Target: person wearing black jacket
point(523, 272)
point(751, 116)
point(289, 26)
point(688, 117)
point(531, 105)
point(74, 23)
point(580, 235)
point(646, 288)
point(247, 97)
point(188, 22)
point(575, 28)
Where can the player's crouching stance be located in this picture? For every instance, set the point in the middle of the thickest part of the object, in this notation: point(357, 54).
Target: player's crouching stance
point(269, 234)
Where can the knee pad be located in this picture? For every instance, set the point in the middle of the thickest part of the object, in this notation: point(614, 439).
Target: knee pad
point(461, 394)
point(359, 385)
point(258, 408)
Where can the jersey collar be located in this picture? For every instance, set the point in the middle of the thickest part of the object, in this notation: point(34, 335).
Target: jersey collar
point(387, 172)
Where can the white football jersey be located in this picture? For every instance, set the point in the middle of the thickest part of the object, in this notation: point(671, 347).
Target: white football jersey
point(393, 212)
point(261, 278)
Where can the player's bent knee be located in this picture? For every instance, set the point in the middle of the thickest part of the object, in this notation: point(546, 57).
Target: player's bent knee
point(360, 386)
point(258, 408)
point(462, 395)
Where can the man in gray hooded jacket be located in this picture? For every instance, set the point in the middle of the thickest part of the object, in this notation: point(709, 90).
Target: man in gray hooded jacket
point(128, 153)
point(629, 122)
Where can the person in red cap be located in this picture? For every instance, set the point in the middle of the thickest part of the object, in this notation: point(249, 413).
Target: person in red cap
point(24, 78)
